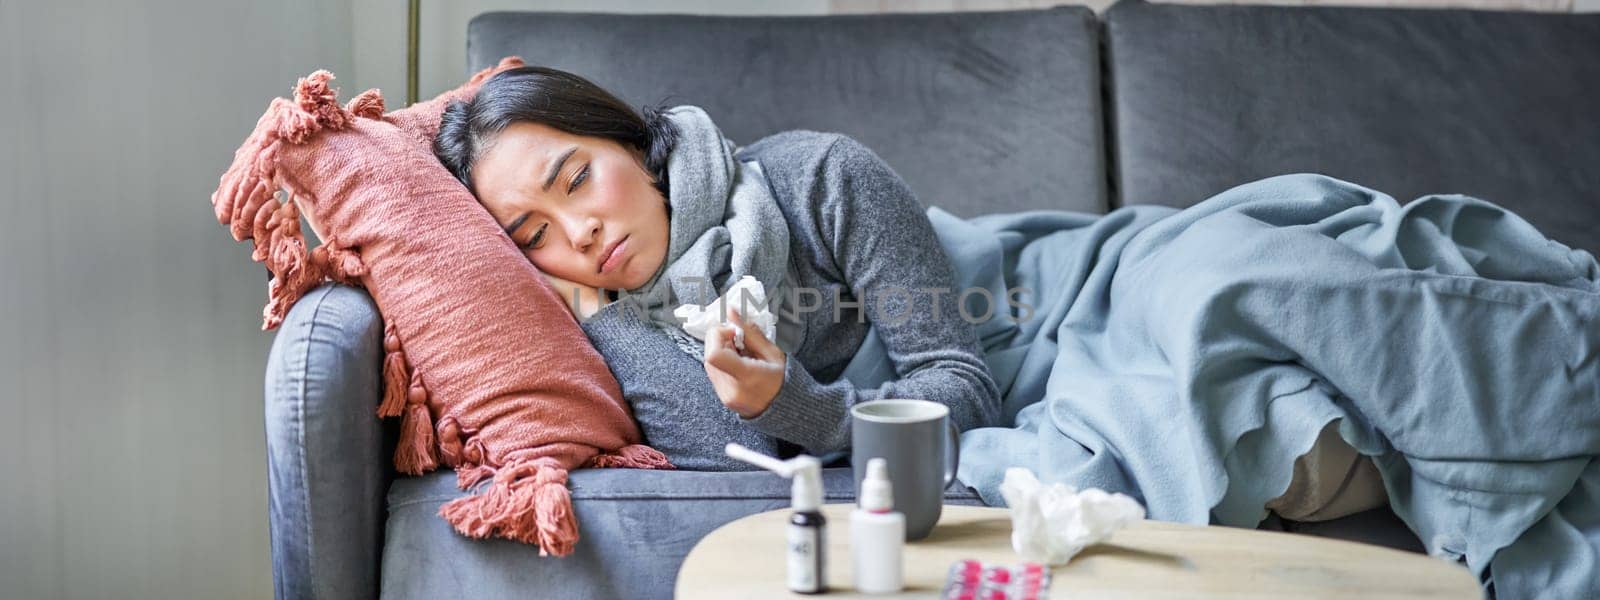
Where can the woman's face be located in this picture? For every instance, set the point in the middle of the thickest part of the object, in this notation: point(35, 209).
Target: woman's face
point(569, 200)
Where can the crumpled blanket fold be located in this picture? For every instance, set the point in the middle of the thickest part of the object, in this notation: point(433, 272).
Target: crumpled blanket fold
point(1186, 358)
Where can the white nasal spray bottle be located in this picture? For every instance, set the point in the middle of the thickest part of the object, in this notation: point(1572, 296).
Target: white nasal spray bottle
point(806, 537)
point(877, 534)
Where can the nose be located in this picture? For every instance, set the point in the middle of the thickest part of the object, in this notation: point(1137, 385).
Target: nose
point(581, 230)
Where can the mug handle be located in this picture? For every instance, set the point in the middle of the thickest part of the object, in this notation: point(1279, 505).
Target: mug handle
point(953, 454)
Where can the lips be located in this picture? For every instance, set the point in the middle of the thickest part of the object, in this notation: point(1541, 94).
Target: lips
point(610, 258)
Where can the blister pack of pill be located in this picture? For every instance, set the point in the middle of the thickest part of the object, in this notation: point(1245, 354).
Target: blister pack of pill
point(975, 580)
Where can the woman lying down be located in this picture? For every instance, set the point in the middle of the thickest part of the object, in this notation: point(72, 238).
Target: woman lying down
point(1297, 344)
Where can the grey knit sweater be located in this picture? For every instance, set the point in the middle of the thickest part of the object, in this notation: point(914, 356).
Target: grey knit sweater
point(855, 229)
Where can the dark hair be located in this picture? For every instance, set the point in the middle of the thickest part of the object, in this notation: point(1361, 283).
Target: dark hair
point(555, 98)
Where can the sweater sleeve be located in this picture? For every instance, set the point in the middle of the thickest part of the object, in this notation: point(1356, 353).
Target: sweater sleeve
point(885, 249)
point(672, 399)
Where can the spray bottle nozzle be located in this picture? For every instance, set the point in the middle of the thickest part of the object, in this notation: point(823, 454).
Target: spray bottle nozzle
point(805, 470)
point(876, 493)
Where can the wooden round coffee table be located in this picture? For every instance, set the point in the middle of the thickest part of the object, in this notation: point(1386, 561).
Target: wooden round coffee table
point(1150, 559)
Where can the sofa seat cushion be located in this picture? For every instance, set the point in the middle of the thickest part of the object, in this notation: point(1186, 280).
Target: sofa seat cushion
point(635, 528)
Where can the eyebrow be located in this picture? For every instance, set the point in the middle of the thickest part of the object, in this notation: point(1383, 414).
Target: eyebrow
point(549, 179)
point(512, 228)
point(555, 169)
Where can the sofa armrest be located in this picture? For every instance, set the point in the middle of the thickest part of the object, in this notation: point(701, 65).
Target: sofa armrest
point(328, 468)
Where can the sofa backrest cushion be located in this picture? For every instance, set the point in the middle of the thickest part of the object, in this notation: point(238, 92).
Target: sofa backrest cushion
point(978, 112)
point(1497, 105)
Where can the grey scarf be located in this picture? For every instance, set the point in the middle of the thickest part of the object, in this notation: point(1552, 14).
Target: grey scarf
point(725, 224)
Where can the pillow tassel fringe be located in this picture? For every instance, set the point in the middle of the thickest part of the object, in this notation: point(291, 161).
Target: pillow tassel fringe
point(247, 202)
point(294, 272)
point(528, 501)
point(395, 377)
point(415, 454)
point(633, 456)
point(339, 263)
point(368, 104)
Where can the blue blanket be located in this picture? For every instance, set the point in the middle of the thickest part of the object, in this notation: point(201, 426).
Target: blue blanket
point(1188, 357)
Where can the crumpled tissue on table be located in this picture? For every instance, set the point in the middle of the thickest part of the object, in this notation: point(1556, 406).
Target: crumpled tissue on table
point(1051, 524)
point(747, 295)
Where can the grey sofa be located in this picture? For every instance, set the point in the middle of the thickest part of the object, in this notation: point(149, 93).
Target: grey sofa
point(979, 112)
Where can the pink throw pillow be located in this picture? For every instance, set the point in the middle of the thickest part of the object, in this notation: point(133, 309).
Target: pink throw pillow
point(491, 373)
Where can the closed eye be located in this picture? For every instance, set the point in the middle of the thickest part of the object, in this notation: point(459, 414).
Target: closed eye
point(538, 236)
point(583, 174)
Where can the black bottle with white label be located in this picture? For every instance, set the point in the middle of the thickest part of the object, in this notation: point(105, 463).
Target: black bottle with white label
point(808, 547)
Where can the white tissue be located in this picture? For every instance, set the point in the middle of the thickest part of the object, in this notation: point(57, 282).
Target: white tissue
point(1052, 524)
point(752, 307)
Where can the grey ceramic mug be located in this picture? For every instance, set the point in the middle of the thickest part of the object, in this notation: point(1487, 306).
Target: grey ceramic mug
point(921, 447)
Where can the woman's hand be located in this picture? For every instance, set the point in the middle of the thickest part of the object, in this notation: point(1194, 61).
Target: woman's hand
point(747, 381)
point(582, 300)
